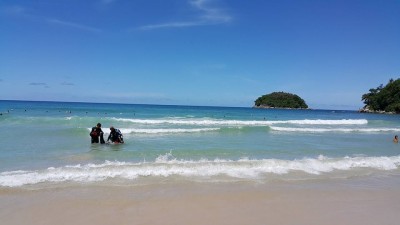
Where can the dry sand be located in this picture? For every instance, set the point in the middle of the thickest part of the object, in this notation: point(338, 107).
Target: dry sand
point(193, 204)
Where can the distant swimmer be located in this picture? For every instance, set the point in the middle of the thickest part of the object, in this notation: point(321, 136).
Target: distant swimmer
point(396, 139)
point(97, 134)
point(115, 136)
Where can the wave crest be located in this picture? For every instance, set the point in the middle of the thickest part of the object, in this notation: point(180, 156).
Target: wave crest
point(167, 165)
point(215, 122)
point(323, 130)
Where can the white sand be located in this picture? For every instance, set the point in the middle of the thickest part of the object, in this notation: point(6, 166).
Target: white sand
point(194, 204)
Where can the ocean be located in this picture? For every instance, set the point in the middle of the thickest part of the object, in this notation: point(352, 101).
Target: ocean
point(47, 144)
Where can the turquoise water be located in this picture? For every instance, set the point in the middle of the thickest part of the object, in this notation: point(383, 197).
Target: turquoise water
point(48, 143)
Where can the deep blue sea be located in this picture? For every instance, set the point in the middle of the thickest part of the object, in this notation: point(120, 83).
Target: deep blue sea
point(48, 144)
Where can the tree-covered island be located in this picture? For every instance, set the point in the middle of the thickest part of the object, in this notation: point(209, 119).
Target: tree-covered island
point(280, 100)
point(383, 99)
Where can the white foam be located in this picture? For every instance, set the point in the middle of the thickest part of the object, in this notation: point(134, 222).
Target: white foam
point(346, 130)
point(215, 122)
point(164, 131)
point(167, 165)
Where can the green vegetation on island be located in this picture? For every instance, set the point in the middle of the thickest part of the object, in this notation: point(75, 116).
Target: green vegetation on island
point(280, 100)
point(383, 99)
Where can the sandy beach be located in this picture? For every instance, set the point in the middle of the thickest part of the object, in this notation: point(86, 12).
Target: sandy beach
point(298, 168)
point(235, 203)
point(206, 112)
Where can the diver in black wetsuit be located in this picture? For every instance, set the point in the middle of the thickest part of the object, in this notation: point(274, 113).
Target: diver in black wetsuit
point(115, 136)
point(97, 133)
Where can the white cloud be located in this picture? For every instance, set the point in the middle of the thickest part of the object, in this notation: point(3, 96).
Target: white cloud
point(19, 11)
point(73, 25)
point(210, 15)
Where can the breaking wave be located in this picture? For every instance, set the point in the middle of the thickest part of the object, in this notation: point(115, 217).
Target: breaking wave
point(205, 122)
point(166, 166)
point(322, 130)
point(163, 130)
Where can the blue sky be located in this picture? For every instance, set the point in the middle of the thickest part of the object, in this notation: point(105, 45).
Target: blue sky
point(197, 52)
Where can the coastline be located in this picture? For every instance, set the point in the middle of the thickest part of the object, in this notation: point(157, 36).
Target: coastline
point(376, 112)
point(336, 168)
point(269, 107)
point(365, 202)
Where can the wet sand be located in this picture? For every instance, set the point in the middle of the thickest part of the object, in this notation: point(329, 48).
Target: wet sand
point(202, 204)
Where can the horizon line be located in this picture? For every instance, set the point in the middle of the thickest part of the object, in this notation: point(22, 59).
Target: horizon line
point(152, 104)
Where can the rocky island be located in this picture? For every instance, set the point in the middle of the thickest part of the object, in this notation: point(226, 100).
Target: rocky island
point(281, 100)
point(383, 99)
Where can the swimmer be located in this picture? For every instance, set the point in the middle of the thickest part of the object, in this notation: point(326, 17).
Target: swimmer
point(396, 139)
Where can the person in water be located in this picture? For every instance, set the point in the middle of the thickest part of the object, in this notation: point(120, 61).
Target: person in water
point(396, 139)
point(115, 136)
point(97, 134)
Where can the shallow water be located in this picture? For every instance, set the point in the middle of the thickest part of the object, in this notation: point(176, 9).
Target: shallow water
point(48, 143)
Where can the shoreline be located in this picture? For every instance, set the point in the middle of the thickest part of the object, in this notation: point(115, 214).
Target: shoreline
point(301, 203)
point(288, 108)
point(376, 112)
